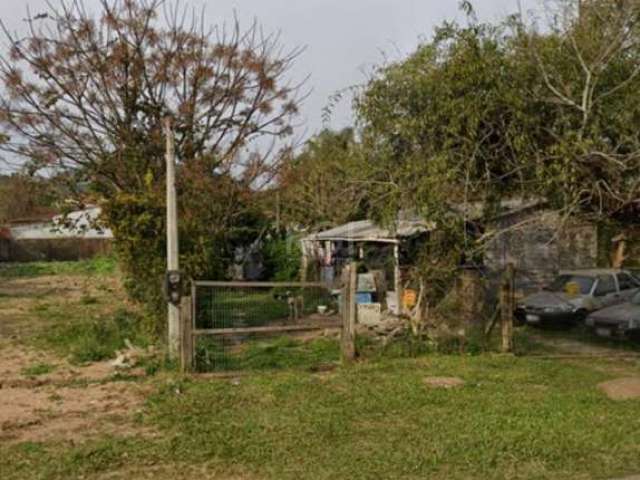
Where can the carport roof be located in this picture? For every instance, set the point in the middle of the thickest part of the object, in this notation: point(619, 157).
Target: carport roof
point(368, 231)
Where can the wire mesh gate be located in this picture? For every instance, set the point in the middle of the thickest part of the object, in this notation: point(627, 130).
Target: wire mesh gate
point(258, 325)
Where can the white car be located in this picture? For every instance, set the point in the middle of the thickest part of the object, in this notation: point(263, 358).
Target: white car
point(575, 294)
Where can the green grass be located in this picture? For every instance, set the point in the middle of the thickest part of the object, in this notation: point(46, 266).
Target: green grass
point(95, 266)
point(88, 328)
point(83, 337)
point(515, 418)
point(215, 354)
point(38, 369)
point(228, 308)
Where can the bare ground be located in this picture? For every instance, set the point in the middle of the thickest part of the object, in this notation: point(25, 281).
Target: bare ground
point(68, 402)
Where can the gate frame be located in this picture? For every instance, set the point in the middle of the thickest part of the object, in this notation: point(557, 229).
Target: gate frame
point(189, 333)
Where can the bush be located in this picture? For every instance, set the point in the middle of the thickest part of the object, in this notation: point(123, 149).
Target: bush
point(282, 259)
point(208, 236)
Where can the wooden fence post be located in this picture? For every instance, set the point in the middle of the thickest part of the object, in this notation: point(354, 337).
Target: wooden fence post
point(507, 308)
point(349, 312)
point(186, 335)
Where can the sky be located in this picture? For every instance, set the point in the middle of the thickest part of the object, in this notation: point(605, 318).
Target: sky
point(343, 39)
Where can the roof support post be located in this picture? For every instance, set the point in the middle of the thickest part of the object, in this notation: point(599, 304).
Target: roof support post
point(398, 278)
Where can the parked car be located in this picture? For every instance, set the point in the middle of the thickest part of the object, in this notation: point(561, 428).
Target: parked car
point(622, 321)
point(575, 294)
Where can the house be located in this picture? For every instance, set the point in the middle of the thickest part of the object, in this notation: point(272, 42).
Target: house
point(538, 241)
point(72, 237)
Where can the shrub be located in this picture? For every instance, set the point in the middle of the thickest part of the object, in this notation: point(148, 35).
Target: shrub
point(282, 259)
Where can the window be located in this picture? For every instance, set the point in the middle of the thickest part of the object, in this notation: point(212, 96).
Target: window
point(626, 281)
point(606, 285)
point(561, 282)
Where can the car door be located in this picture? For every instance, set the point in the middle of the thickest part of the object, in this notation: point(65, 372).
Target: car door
point(628, 286)
point(606, 292)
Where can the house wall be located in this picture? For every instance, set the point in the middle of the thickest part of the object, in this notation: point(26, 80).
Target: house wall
point(540, 244)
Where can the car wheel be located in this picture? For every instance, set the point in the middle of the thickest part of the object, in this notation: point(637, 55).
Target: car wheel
point(581, 316)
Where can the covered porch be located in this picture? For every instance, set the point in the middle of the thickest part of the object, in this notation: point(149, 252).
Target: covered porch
point(381, 252)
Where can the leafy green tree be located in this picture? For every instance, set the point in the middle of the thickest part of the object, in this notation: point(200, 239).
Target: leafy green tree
point(320, 186)
point(487, 112)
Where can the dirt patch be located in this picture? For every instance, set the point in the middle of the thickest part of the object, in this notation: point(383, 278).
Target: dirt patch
point(69, 413)
point(50, 411)
point(622, 388)
point(16, 360)
point(68, 403)
point(44, 397)
point(444, 382)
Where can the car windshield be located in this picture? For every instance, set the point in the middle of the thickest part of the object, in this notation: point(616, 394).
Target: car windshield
point(560, 283)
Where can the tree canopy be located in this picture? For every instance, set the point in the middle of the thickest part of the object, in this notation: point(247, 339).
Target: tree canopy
point(486, 111)
point(319, 186)
point(87, 95)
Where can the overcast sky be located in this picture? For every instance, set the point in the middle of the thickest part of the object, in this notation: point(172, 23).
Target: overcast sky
point(344, 39)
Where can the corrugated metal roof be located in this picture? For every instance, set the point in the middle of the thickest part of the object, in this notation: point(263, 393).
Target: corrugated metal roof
point(410, 224)
point(368, 231)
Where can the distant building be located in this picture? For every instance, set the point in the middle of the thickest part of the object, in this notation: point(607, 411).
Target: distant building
point(72, 237)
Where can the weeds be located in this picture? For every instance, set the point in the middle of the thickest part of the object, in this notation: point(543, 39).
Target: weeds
point(105, 265)
point(97, 339)
point(38, 369)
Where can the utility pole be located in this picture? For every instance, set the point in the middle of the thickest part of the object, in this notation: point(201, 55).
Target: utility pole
point(172, 237)
point(580, 11)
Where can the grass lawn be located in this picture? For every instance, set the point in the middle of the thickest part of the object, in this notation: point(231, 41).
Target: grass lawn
point(97, 266)
point(516, 417)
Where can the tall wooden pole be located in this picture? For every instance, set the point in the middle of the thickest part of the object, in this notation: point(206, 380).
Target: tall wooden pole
point(173, 313)
point(580, 10)
point(349, 312)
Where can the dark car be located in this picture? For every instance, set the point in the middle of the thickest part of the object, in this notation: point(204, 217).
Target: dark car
point(621, 321)
point(575, 294)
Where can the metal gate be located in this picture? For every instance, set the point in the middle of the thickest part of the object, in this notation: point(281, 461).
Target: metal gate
point(261, 325)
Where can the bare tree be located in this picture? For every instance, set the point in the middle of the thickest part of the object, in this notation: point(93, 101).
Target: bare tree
point(88, 94)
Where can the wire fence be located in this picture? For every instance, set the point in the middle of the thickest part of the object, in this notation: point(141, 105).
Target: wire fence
point(239, 326)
